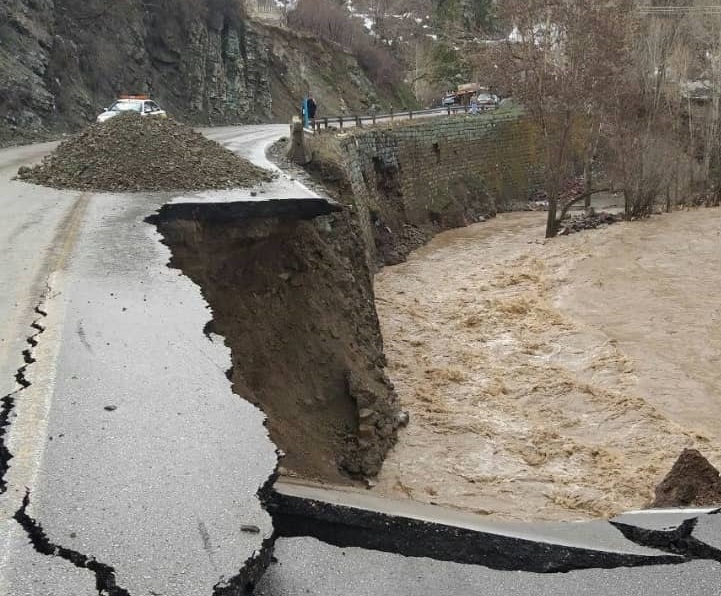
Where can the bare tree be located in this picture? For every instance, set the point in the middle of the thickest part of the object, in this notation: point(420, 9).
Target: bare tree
point(379, 10)
point(702, 43)
point(658, 137)
point(564, 62)
point(332, 22)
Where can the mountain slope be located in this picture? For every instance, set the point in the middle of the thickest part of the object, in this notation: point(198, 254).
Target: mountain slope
point(205, 61)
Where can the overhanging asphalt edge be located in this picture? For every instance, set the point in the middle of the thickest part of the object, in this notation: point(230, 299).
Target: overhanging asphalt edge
point(296, 513)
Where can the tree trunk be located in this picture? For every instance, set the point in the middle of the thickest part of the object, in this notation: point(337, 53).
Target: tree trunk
point(588, 182)
point(588, 163)
point(551, 223)
point(626, 203)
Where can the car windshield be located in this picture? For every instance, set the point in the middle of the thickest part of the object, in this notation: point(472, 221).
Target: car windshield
point(126, 106)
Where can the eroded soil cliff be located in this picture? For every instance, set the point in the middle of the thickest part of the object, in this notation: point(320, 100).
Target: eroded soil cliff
point(294, 300)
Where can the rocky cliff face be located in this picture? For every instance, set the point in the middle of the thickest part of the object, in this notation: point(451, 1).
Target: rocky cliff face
point(25, 39)
point(61, 60)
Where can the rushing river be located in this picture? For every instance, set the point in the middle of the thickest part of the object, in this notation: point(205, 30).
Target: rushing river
point(554, 380)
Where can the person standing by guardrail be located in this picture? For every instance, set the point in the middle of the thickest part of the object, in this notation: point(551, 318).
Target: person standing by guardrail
point(474, 105)
point(308, 109)
point(311, 106)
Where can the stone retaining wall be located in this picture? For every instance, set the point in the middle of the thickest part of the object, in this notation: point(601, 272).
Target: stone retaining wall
point(440, 172)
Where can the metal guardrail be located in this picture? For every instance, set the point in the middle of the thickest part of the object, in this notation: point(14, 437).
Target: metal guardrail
point(318, 125)
point(671, 10)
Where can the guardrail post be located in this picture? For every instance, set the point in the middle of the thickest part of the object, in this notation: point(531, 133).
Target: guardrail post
point(358, 121)
point(325, 123)
point(374, 118)
point(340, 122)
point(297, 151)
point(391, 113)
point(410, 114)
point(449, 110)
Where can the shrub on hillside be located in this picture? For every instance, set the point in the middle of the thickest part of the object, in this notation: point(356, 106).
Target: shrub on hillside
point(325, 19)
point(332, 22)
point(382, 68)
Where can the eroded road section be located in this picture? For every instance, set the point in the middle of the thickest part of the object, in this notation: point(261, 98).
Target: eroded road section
point(132, 467)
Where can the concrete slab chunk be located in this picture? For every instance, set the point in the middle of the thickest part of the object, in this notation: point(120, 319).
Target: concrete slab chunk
point(660, 519)
point(348, 518)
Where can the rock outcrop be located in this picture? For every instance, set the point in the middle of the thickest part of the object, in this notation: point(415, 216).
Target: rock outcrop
point(62, 60)
point(204, 61)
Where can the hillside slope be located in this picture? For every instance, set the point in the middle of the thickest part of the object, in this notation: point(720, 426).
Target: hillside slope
point(61, 61)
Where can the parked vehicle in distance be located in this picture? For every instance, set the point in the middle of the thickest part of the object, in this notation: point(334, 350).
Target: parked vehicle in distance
point(140, 104)
point(450, 99)
point(487, 101)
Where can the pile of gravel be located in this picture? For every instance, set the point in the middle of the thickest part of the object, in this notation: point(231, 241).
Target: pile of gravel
point(131, 153)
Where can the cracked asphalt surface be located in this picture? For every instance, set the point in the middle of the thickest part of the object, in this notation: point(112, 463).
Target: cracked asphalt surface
point(141, 466)
point(134, 470)
point(32, 224)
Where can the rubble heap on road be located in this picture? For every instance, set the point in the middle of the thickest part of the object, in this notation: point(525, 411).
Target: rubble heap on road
point(130, 153)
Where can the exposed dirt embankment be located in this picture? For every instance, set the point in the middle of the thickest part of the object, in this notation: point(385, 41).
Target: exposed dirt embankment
point(294, 300)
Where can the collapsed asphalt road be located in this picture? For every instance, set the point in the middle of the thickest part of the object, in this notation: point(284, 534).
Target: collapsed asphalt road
point(131, 466)
point(307, 566)
point(331, 539)
point(133, 469)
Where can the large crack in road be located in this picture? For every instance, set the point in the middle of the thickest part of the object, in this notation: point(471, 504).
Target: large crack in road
point(105, 581)
point(679, 540)
point(8, 401)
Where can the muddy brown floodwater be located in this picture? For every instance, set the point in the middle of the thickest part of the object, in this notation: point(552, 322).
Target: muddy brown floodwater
point(555, 380)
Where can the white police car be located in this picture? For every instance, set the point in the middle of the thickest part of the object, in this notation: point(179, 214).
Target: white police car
point(140, 104)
